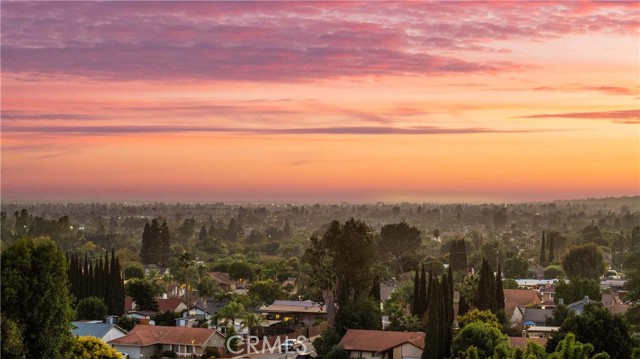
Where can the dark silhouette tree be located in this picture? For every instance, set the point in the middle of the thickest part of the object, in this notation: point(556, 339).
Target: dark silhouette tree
point(397, 240)
point(542, 252)
point(583, 261)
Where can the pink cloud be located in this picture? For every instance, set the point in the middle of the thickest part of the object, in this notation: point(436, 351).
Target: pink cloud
point(621, 116)
point(289, 41)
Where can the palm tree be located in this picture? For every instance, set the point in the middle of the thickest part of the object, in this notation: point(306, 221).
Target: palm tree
point(252, 320)
point(232, 311)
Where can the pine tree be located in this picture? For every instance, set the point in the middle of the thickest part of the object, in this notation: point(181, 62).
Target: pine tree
point(416, 294)
point(116, 287)
point(542, 252)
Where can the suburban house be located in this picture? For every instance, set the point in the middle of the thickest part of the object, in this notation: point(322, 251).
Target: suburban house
point(536, 316)
point(521, 342)
point(141, 314)
point(368, 344)
point(197, 312)
point(515, 297)
point(98, 329)
point(305, 313)
point(171, 305)
point(578, 306)
point(143, 341)
point(540, 332)
point(224, 281)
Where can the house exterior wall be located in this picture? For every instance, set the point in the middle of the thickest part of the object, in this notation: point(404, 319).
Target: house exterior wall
point(112, 334)
point(368, 355)
point(134, 351)
point(407, 351)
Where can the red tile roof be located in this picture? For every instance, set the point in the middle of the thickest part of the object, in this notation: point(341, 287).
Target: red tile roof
point(170, 304)
point(378, 341)
point(143, 335)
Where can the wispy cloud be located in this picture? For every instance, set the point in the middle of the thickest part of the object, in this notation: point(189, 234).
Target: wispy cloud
point(621, 116)
point(173, 41)
point(346, 130)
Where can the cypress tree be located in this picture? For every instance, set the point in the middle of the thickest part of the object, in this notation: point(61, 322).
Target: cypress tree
point(447, 299)
point(116, 287)
point(416, 294)
point(551, 250)
point(86, 283)
point(486, 296)
point(146, 249)
point(164, 244)
point(542, 252)
point(434, 340)
point(375, 289)
point(422, 295)
point(463, 307)
point(500, 296)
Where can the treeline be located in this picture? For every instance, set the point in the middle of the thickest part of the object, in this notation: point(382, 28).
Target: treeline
point(100, 278)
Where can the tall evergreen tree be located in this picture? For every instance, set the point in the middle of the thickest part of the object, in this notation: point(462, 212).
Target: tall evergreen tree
point(542, 251)
point(463, 307)
point(164, 244)
point(422, 294)
point(375, 289)
point(551, 249)
point(499, 296)
point(434, 341)
point(146, 251)
point(486, 296)
point(447, 299)
point(116, 287)
point(416, 294)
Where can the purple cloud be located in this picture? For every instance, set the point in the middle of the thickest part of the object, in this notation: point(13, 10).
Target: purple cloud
point(290, 41)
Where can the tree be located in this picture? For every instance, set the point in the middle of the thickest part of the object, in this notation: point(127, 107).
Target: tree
point(551, 246)
point(88, 347)
point(583, 261)
point(632, 271)
point(397, 240)
point(543, 259)
point(35, 297)
point(515, 267)
point(133, 271)
point(326, 341)
point(500, 301)
point(267, 291)
point(232, 311)
point(534, 351)
point(361, 313)
point(91, 308)
point(143, 293)
point(486, 295)
point(166, 318)
point(483, 336)
point(476, 315)
point(553, 272)
point(597, 326)
point(569, 347)
point(337, 352)
point(423, 301)
point(252, 320)
point(322, 275)
point(458, 256)
point(11, 346)
point(577, 289)
point(351, 248)
point(435, 342)
point(415, 306)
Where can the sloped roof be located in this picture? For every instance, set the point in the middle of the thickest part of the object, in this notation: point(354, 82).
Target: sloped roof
point(144, 335)
point(293, 306)
point(378, 341)
point(536, 315)
point(522, 342)
point(97, 330)
point(221, 278)
point(169, 304)
point(515, 297)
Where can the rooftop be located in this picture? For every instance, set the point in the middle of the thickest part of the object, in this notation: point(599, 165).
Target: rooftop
point(143, 335)
point(378, 341)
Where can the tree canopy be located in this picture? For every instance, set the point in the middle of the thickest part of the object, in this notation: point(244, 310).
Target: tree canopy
point(35, 297)
point(583, 261)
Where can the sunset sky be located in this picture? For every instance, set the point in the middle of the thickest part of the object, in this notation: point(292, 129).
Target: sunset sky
point(319, 102)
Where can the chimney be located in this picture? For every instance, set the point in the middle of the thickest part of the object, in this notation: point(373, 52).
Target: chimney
point(560, 301)
point(586, 298)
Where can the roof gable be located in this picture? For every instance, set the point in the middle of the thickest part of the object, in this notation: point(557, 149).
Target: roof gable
point(143, 335)
point(379, 341)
